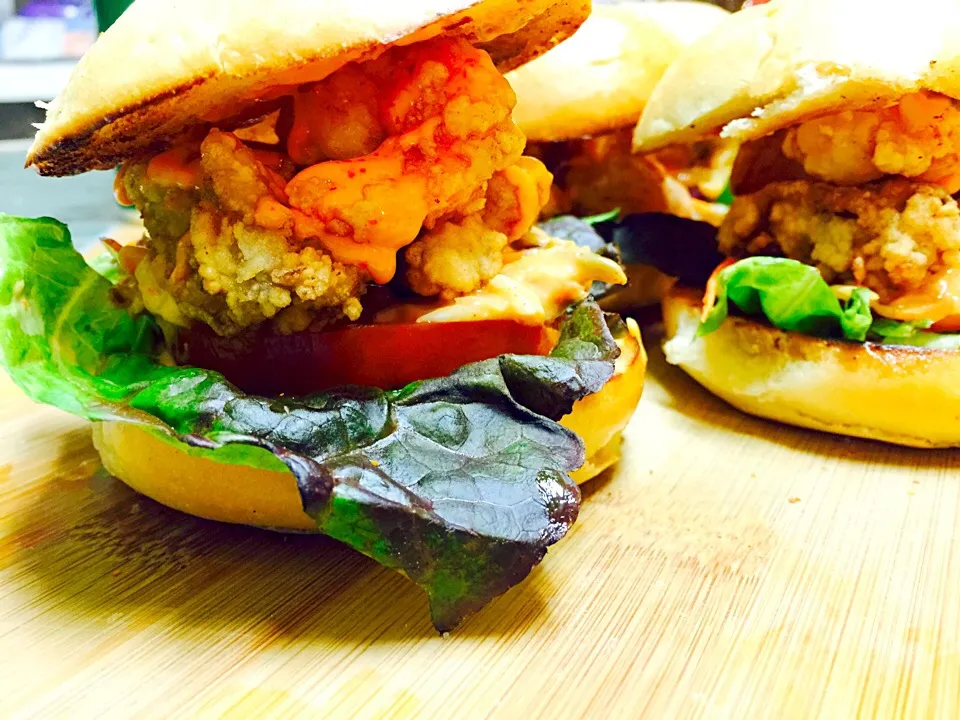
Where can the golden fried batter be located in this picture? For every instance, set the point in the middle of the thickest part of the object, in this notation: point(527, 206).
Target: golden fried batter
point(446, 113)
point(416, 148)
point(541, 277)
point(458, 256)
point(917, 138)
point(217, 265)
point(515, 196)
point(892, 237)
point(455, 258)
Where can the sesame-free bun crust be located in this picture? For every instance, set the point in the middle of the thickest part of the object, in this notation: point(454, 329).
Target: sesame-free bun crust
point(198, 482)
point(169, 65)
point(600, 79)
point(769, 66)
point(902, 395)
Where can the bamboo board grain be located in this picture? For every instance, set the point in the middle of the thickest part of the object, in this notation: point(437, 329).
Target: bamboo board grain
point(728, 568)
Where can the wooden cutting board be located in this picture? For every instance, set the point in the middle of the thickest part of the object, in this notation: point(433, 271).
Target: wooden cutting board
point(728, 568)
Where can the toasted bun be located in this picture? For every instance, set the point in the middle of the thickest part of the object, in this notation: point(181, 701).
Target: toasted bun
point(199, 482)
point(165, 67)
point(601, 78)
point(768, 66)
point(902, 395)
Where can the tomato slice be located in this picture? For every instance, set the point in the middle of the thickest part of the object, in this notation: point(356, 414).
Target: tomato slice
point(387, 356)
point(949, 324)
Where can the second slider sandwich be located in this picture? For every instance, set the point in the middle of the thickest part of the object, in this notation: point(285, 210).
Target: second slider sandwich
point(838, 304)
point(579, 103)
point(342, 317)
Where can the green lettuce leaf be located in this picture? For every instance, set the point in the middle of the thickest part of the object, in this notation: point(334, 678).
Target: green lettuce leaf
point(795, 297)
point(726, 197)
point(602, 217)
point(792, 296)
point(913, 333)
point(460, 483)
point(896, 330)
point(107, 263)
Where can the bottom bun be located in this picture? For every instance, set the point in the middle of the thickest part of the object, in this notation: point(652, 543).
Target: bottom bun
point(207, 484)
point(897, 394)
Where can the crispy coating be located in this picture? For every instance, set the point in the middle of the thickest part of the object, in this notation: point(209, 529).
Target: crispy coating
point(417, 146)
point(598, 174)
point(514, 197)
point(258, 274)
point(892, 237)
point(445, 112)
point(336, 119)
point(917, 138)
point(219, 267)
point(457, 257)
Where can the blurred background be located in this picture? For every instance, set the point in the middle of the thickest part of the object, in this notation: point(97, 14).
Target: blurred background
point(40, 41)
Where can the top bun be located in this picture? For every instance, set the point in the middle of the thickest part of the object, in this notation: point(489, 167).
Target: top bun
point(167, 66)
point(601, 78)
point(770, 66)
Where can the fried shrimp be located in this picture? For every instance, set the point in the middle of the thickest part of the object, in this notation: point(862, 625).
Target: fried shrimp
point(445, 111)
point(893, 237)
point(462, 251)
point(208, 260)
point(916, 138)
point(455, 258)
point(458, 256)
point(515, 195)
point(414, 148)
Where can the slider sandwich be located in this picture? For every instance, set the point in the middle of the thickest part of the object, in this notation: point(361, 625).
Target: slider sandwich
point(578, 105)
point(342, 317)
point(834, 302)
